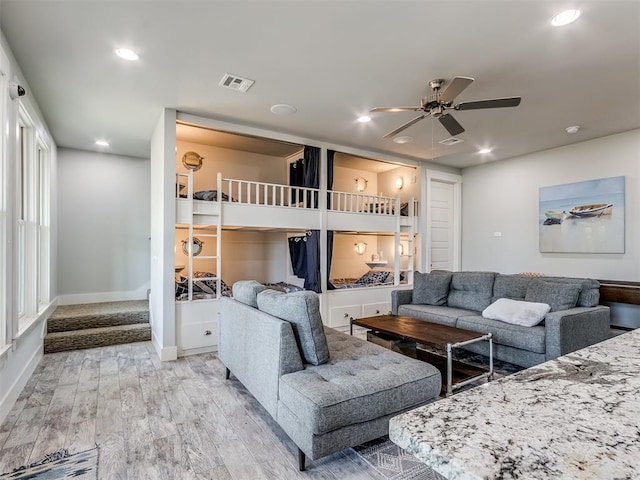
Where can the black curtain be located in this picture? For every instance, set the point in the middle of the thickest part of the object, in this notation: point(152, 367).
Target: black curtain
point(312, 180)
point(330, 156)
point(298, 255)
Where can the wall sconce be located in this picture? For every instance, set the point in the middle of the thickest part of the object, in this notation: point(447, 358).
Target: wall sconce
point(399, 183)
point(361, 184)
point(401, 249)
point(360, 248)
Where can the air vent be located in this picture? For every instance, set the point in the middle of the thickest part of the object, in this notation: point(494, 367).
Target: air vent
point(450, 141)
point(235, 82)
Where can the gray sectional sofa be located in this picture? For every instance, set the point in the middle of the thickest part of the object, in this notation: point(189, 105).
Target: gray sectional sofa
point(575, 319)
point(326, 389)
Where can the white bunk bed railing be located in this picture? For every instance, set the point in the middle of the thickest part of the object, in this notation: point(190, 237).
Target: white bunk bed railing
point(361, 203)
point(248, 192)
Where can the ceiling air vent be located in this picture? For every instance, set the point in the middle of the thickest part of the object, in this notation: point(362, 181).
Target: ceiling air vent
point(235, 82)
point(450, 141)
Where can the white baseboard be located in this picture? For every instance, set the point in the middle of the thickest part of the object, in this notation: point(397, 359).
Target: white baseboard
point(166, 354)
point(9, 400)
point(101, 297)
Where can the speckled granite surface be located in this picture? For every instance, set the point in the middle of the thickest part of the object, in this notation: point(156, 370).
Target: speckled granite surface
point(576, 417)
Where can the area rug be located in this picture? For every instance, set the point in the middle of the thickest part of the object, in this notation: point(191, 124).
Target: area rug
point(394, 463)
point(60, 465)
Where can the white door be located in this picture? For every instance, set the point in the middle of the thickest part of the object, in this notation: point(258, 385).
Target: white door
point(441, 232)
point(441, 201)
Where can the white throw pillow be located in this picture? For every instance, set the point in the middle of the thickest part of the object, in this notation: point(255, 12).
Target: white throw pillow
point(517, 312)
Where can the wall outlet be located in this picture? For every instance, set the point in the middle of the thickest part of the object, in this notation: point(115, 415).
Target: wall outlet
point(414, 179)
point(497, 234)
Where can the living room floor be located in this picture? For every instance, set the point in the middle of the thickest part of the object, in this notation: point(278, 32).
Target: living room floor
point(155, 420)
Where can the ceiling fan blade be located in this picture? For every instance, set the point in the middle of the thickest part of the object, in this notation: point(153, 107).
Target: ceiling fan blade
point(393, 133)
point(395, 109)
point(495, 103)
point(451, 124)
point(457, 85)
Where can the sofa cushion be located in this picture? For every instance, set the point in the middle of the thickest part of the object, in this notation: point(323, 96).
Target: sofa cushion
point(246, 291)
point(302, 310)
point(517, 312)
point(590, 293)
point(471, 290)
point(510, 286)
point(431, 288)
point(361, 382)
point(560, 296)
point(434, 313)
point(531, 339)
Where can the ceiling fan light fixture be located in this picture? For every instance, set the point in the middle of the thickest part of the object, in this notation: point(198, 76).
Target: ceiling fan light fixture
point(403, 139)
point(364, 119)
point(565, 18)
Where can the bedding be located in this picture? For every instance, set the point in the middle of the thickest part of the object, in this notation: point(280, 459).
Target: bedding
point(208, 195)
point(202, 289)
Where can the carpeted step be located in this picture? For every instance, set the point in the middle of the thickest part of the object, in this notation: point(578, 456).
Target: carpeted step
point(96, 337)
point(97, 315)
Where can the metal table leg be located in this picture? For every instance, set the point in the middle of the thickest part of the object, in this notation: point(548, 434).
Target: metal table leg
point(449, 370)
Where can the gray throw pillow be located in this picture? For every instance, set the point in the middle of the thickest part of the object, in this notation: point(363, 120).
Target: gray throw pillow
point(246, 291)
point(560, 296)
point(431, 288)
point(302, 310)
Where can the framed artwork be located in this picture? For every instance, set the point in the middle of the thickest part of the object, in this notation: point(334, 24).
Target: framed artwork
point(582, 217)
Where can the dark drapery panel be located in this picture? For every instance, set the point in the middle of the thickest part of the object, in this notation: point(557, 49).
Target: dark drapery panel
point(298, 255)
point(330, 156)
point(312, 279)
point(312, 180)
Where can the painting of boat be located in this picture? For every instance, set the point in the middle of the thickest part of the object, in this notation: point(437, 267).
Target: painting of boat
point(555, 215)
point(593, 210)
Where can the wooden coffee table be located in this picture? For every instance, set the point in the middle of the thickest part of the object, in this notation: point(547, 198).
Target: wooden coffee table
point(439, 336)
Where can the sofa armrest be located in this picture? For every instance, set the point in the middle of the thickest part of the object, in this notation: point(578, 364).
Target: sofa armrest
point(400, 297)
point(569, 330)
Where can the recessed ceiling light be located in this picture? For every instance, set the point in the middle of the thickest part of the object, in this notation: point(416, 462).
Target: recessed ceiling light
point(403, 139)
point(484, 150)
point(283, 109)
point(572, 129)
point(127, 54)
point(565, 18)
point(364, 119)
point(102, 143)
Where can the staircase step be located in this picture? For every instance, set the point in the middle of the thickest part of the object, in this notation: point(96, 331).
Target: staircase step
point(96, 337)
point(97, 315)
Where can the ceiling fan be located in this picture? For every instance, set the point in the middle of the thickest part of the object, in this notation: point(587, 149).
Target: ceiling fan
point(438, 102)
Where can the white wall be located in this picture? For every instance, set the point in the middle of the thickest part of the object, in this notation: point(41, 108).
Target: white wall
point(103, 236)
point(503, 197)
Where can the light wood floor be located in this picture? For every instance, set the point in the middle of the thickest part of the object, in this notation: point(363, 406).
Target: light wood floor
point(155, 420)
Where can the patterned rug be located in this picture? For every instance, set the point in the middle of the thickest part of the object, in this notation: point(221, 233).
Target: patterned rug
point(394, 463)
point(59, 465)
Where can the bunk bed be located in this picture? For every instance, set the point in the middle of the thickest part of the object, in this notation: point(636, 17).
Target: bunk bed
point(243, 204)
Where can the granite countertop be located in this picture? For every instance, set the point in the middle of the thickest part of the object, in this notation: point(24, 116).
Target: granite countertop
point(576, 417)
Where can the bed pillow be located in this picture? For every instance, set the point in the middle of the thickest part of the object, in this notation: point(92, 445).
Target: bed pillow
point(517, 312)
point(560, 296)
point(246, 291)
point(374, 276)
point(302, 310)
point(431, 288)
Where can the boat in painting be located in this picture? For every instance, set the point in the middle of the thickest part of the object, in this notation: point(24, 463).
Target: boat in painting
point(555, 215)
point(594, 210)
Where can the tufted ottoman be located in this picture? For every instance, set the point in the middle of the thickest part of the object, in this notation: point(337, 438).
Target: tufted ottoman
point(361, 387)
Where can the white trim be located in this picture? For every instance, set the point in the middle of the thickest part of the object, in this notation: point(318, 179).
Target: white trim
point(166, 354)
point(9, 400)
point(39, 319)
point(101, 297)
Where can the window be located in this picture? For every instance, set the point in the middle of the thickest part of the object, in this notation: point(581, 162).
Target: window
point(3, 209)
point(42, 224)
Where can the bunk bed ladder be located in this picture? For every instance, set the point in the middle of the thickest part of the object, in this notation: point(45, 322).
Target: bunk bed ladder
point(216, 236)
point(407, 252)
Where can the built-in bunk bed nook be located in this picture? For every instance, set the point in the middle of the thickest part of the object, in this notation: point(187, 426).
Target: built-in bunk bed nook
point(294, 216)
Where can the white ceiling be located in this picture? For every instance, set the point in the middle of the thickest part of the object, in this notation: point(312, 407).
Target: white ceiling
point(332, 60)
